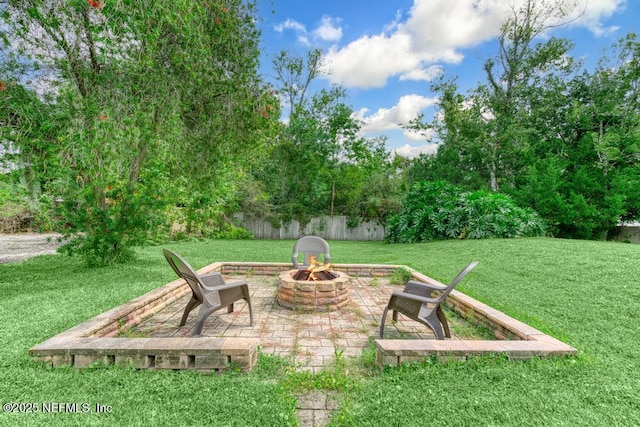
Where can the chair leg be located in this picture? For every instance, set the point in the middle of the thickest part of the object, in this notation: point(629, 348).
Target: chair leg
point(250, 311)
point(230, 308)
point(202, 316)
point(193, 303)
point(443, 319)
point(434, 324)
point(384, 319)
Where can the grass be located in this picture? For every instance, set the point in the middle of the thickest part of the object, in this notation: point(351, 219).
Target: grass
point(585, 293)
point(400, 276)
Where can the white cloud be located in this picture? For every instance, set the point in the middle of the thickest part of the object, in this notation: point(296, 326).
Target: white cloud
point(596, 10)
point(411, 135)
point(328, 30)
point(393, 25)
point(432, 33)
point(407, 108)
point(411, 151)
point(435, 32)
point(370, 60)
point(437, 27)
point(299, 29)
point(388, 121)
point(426, 74)
point(290, 24)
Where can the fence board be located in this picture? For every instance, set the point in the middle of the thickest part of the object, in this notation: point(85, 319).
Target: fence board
point(626, 233)
point(328, 227)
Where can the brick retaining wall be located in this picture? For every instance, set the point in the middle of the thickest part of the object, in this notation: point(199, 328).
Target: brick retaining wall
point(93, 341)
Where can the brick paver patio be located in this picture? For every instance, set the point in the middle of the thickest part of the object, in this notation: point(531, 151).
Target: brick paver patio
point(144, 332)
point(311, 339)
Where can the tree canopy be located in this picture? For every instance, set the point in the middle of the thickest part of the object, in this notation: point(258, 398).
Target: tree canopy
point(158, 103)
point(119, 119)
point(556, 137)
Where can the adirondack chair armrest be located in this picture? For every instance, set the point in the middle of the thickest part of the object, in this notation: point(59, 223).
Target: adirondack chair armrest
point(416, 297)
point(432, 286)
point(211, 280)
point(422, 289)
point(211, 274)
point(236, 283)
point(215, 282)
point(228, 286)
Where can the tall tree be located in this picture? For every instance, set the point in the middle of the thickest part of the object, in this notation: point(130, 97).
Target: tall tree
point(488, 130)
point(319, 148)
point(295, 73)
point(148, 91)
point(518, 68)
point(584, 177)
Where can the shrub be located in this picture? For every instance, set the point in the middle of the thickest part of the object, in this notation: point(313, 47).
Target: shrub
point(104, 221)
point(233, 232)
point(15, 214)
point(439, 210)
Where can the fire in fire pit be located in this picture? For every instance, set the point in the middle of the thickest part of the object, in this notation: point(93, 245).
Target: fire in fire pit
point(315, 271)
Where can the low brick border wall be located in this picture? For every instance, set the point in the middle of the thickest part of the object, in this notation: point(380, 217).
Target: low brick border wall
point(515, 339)
point(93, 340)
point(275, 268)
point(203, 353)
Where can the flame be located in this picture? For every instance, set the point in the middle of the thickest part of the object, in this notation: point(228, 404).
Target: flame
point(316, 266)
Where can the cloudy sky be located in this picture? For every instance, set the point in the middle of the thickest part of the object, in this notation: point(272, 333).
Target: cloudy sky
point(386, 52)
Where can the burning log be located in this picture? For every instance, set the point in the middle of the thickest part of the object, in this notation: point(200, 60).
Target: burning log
point(310, 275)
point(315, 271)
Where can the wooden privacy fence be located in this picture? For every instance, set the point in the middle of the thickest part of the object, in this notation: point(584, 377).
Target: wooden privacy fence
point(327, 227)
point(626, 233)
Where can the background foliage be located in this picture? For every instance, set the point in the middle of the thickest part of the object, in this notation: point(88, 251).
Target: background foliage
point(560, 139)
point(148, 106)
point(121, 119)
point(439, 210)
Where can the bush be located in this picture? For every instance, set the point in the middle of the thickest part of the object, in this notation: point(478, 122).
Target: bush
point(15, 215)
point(439, 210)
point(106, 220)
point(233, 232)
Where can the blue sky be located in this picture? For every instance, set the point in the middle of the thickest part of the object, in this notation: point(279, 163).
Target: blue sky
point(386, 52)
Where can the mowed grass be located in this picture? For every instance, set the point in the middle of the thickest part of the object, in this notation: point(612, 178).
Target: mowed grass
point(585, 293)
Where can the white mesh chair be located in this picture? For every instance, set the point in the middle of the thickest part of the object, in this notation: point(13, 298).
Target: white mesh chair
point(310, 246)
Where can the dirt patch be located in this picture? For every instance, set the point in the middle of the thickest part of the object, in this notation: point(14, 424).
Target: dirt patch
point(18, 247)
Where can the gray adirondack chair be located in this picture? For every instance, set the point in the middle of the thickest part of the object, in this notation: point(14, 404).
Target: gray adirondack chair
point(416, 303)
point(310, 246)
point(208, 290)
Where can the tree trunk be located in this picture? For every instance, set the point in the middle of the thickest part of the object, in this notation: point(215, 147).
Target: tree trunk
point(333, 195)
point(494, 169)
point(494, 179)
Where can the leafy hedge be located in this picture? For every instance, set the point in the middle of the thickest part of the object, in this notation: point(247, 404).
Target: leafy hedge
point(439, 210)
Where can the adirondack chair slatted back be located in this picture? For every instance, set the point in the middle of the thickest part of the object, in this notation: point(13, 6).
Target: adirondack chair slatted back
point(416, 302)
point(184, 271)
point(457, 280)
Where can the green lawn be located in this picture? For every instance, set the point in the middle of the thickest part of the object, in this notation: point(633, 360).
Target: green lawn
point(585, 293)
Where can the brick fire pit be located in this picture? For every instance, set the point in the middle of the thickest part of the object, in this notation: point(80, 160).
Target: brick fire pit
point(313, 295)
